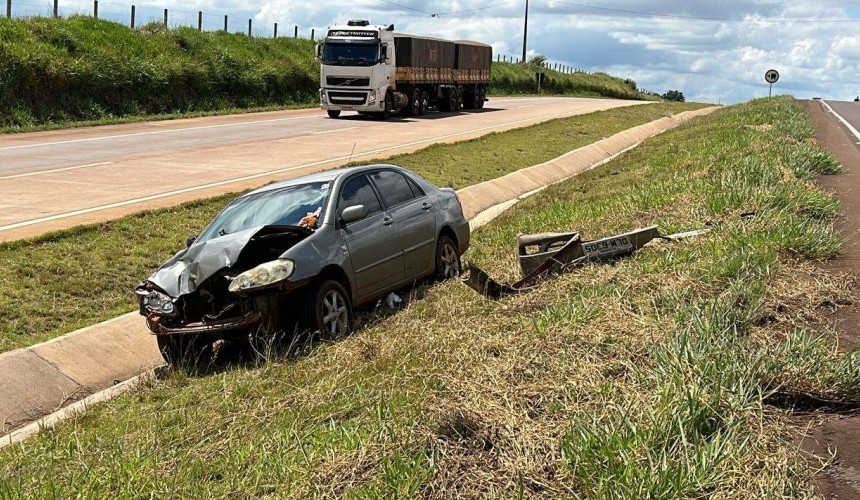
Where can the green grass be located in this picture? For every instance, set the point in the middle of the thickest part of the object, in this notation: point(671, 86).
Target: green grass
point(649, 377)
point(57, 283)
point(79, 71)
point(512, 79)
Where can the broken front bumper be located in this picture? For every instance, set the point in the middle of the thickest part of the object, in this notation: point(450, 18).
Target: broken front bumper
point(248, 321)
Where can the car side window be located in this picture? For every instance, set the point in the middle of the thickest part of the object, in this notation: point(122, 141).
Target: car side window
point(416, 190)
point(392, 186)
point(358, 191)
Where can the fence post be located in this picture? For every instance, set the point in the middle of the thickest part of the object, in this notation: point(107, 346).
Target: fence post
point(312, 34)
point(165, 18)
point(9, 8)
point(199, 20)
point(276, 30)
point(96, 9)
point(132, 16)
point(296, 35)
point(249, 29)
point(56, 8)
point(225, 24)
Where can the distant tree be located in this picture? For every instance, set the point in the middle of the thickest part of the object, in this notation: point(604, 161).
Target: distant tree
point(537, 60)
point(673, 95)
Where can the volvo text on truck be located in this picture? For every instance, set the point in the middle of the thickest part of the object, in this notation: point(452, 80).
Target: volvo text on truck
point(377, 72)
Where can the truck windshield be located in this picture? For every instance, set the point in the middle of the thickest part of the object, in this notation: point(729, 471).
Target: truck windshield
point(283, 207)
point(350, 54)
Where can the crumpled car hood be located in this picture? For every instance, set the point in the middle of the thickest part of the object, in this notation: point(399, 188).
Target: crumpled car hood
point(186, 270)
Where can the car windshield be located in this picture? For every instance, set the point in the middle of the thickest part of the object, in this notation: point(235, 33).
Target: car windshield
point(350, 54)
point(289, 206)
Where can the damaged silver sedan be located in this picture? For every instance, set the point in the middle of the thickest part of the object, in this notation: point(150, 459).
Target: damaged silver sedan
point(308, 249)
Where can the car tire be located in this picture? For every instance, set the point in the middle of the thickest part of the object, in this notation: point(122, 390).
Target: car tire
point(333, 113)
point(329, 310)
point(185, 350)
point(448, 264)
point(425, 103)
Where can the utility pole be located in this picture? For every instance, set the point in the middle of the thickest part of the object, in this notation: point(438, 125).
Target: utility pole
point(525, 31)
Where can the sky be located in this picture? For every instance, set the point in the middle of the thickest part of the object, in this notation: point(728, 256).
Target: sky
point(714, 51)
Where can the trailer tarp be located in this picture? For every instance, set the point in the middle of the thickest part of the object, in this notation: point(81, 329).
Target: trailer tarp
point(424, 52)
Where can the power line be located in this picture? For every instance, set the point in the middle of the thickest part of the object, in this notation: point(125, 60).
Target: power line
point(704, 18)
point(407, 7)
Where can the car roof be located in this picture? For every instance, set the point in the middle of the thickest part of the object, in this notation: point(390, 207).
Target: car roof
point(325, 176)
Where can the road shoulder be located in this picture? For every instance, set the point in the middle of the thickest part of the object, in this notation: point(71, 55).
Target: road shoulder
point(840, 433)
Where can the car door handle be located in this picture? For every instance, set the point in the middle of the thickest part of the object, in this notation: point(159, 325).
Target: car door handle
point(426, 206)
point(387, 221)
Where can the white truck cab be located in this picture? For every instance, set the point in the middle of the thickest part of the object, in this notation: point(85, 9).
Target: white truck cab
point(357, 68)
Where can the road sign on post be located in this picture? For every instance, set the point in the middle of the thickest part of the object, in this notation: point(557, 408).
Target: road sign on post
point(771, 77)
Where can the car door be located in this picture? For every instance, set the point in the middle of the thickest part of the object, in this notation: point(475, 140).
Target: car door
point(373, 243)
point(413, 214)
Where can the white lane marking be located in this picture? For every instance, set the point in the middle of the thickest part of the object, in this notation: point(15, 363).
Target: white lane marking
point(40, 172)
point(335, 130)
point(843, 120)
point(268, 173)
point(156, 132)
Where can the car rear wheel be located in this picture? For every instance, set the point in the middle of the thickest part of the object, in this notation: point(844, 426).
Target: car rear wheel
point(185, 350)
point(329, 310)
point(447, 259)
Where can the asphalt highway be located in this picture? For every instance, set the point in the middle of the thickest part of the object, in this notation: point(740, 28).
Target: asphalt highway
point(57, 179)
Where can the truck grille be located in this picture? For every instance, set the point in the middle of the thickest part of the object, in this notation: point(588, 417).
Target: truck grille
point(338, 81)
point(347, 98)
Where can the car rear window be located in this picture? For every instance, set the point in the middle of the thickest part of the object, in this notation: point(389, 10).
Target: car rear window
point(393, 187)
point(358, 191)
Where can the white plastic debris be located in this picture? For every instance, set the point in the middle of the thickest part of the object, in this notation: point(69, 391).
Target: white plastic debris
point(393, 301)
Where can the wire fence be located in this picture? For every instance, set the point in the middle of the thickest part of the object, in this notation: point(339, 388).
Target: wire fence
point(136, 16)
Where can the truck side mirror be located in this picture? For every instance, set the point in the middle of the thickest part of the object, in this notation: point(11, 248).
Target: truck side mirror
point(389, 54)
point(190, 240)
point(318, 50)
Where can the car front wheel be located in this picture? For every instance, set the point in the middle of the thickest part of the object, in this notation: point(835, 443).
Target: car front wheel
point(447, 259)
point(329, 310)
point(185, 350)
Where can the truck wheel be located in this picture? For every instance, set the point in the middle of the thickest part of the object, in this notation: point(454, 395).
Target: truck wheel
point(449, 100)
point(482, 97)
point(458, 104)
point(415, 103)
point(476, 97)
point(389, 106)
point(329, 310)
point(333, 113)
point(425, 103)
point(470, 97)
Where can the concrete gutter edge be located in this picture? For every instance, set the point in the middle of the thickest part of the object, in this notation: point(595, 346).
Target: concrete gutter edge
point(78, 354)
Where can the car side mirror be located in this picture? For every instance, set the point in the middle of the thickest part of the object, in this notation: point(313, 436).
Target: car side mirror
point(353, 213)
point(190, 240)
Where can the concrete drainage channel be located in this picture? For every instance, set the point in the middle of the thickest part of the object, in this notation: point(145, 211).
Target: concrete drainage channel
point(49, 382)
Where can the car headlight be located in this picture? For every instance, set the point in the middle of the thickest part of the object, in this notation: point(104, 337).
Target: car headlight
point(371, 99)
point(158, 303)
point(262, 275)
point(322, 96)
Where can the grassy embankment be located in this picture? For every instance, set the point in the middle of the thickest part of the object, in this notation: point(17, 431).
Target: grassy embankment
point(67, 280)
point(57, 73)
point(650, 377)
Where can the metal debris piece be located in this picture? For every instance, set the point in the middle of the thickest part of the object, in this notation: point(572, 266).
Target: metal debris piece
point(550, 254)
